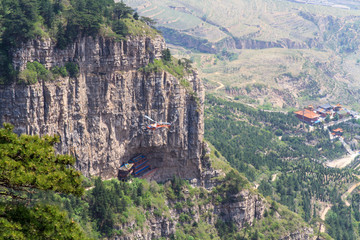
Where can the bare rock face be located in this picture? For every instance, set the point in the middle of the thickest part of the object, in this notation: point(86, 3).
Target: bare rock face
point(247, 208)
point(243, 211)
point(301, 234)
point(99, 115)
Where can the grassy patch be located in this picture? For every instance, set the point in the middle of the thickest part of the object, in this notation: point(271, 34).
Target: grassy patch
point(139, 28)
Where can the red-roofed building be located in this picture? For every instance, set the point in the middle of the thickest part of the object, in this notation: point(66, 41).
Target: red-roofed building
point(338, 107)
point(307, 116)
point(338, 132)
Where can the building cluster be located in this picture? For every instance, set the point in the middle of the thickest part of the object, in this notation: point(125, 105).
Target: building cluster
point(337, 132)
point(317, 115)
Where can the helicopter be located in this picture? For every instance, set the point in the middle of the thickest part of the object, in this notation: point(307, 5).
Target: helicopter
point(156, 125)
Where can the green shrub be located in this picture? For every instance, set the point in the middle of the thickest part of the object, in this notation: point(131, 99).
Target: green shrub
point(278, 132)
point(41, 71)
point(179, 206)
point(185, 83)
point(140, 219)
point(34, 72)
point(157, 212)
point(233, 184)
point(28, 77)
point(184, 217)
point(72, 69)
point(60, 71)
point(120, 28)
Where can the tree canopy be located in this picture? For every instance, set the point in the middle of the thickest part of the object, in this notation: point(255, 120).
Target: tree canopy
point(29, 162)
point(63, 21)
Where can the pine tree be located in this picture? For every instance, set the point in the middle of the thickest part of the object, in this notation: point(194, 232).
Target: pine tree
point(29, 162)
point(166, 55)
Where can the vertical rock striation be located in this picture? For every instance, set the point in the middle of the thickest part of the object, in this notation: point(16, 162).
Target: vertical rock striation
point(99, 115)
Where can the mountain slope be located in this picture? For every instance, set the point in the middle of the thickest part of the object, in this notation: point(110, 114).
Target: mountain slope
point(308, 51)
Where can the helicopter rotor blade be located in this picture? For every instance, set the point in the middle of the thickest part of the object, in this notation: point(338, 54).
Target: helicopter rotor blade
point(150, 118)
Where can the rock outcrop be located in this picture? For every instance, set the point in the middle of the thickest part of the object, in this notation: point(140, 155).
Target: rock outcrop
point(99, 115)
point(243, 211)
point(301, 234)
point(246, 42)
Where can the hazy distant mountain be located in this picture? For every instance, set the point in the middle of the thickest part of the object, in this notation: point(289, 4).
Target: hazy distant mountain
point(346, 4)
point(276, 52)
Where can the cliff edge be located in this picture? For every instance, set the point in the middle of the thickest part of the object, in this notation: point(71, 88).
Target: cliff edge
point(99, 115)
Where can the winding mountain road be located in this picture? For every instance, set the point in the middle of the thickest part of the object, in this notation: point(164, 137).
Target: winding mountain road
point(348, 192)
point(324, 211)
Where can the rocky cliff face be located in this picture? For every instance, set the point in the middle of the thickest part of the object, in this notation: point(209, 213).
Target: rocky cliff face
point(246, 209)
point(301, 234)
point(247, 42)
point(100, 114)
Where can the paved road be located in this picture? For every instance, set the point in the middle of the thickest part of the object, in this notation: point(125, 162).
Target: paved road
point(326, 125)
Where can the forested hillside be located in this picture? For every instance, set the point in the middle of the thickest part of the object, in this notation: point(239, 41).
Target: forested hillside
point(285, 158)
point(42, 197)
point(28, 164)
point(63, 21)
point(262, 173)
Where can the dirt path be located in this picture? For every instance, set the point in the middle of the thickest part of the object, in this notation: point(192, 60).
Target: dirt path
point(342, 162)
point(348, 192)
point(325, 207)
point(89, 188)
point(273, 177)
point(324, 211)
point(221, 86)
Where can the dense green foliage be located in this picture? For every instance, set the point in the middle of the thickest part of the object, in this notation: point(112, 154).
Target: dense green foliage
point(171, 65)
point(33, 73)
point(247, 136)
point(17, 221)
point(59, 71)
point(340, 223)
point(72, 69)
point(260, 143)
point(121, 202)
point(23, 20)
point(29, 164)
point(297, 189)
point(110, 204)
point(166, 55)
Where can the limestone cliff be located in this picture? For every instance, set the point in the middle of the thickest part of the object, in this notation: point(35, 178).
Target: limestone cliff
point(99, 115)
point(243, 211)
point(184, 39)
